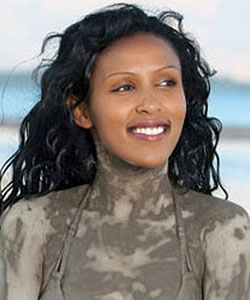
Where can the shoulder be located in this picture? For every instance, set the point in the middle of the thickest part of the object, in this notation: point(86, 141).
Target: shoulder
point(31, 235)
point(223, 230)
point(222, 226)
point(217, 223)
point(207, 209)
point(41, 215)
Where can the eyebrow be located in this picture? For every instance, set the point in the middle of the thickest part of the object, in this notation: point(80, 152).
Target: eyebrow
point(132, 73)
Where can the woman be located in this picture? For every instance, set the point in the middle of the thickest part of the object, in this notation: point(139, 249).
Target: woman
point(117, 163)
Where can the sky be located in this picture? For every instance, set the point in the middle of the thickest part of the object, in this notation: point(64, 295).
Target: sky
point(221, 28)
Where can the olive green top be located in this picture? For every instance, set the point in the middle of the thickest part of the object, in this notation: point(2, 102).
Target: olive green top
point(128, 236)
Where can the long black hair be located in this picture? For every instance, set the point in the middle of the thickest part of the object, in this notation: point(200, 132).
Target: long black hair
point(54, 153)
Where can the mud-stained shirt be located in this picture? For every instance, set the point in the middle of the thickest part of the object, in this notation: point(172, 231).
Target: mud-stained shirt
point(128, 237)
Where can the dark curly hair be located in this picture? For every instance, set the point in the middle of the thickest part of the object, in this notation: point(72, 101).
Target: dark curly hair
point(56, 154)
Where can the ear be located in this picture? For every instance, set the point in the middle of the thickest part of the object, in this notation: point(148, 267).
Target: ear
point(81, 112)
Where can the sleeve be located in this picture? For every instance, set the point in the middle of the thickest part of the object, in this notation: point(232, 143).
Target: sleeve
point(227, 257)
point(21, 253)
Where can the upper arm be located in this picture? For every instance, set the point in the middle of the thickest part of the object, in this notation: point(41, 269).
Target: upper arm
point(21, 254)
point(227, 258)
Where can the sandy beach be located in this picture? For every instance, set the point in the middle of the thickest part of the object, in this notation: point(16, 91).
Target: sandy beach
point(234, 143)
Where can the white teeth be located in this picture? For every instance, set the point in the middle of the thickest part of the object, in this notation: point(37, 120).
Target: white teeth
point(149, 130)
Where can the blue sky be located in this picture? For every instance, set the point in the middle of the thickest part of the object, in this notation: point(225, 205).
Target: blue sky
point(220, 26)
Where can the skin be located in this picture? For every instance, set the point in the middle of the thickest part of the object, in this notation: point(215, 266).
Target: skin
point(136, 79)
point(126, 246)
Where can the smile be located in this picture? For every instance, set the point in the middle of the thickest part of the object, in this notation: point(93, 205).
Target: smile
point(149, 130)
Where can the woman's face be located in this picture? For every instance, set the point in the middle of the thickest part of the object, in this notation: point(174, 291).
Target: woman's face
point(137, 104)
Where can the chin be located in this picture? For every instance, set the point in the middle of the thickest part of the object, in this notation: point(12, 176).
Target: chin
point(153, 164)
point(148, 163)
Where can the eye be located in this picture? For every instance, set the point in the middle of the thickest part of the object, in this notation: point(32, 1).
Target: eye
point(167, 83)
point(123, 88)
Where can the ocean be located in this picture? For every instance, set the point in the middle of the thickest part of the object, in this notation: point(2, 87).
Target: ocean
point(229, 102)
point(232, 108)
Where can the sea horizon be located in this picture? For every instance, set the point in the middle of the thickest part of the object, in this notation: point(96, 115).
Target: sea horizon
point(229, 101)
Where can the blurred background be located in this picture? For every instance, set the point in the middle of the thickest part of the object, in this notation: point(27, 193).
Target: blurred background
point(221, 27)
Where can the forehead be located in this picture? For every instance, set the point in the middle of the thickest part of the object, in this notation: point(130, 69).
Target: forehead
point(142, 49)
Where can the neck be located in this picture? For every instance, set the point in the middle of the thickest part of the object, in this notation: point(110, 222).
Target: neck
point(123, 189)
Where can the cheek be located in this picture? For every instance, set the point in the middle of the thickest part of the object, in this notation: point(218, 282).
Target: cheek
point(178, 111)
point(183, 110)
point(106, 119)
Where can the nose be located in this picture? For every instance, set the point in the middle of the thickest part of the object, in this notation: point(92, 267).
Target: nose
point(148, 103)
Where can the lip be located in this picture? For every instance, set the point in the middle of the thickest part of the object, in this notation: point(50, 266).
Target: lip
point(149, 123)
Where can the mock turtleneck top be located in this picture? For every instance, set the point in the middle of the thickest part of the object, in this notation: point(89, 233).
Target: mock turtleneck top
point(129, 235)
